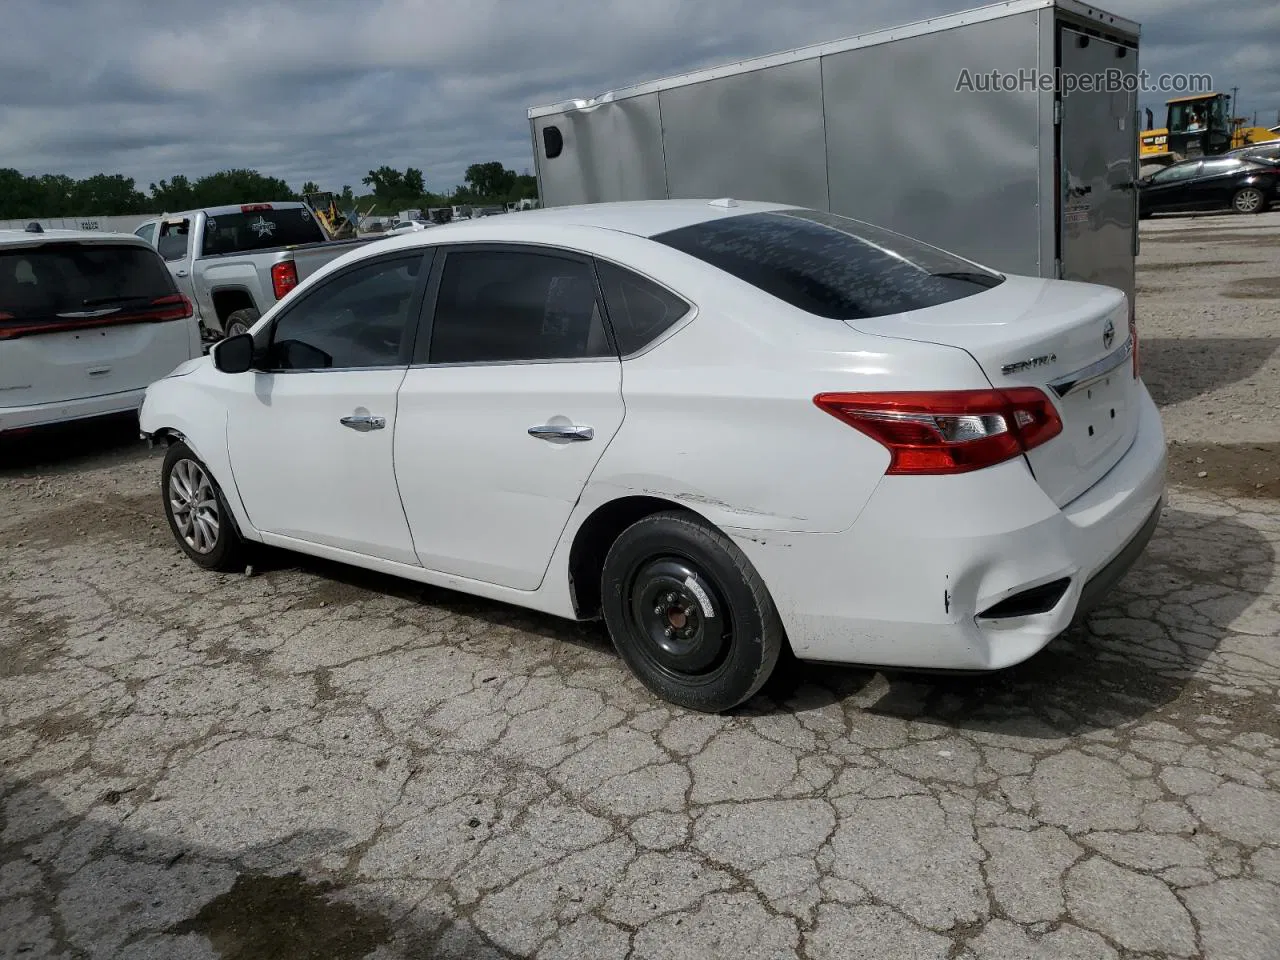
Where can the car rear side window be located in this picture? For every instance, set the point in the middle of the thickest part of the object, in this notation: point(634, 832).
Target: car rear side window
point(498, 306)
point(640, 311)
point(259, 230)
point(359, 319)
point(830, 265)
point(59, 284)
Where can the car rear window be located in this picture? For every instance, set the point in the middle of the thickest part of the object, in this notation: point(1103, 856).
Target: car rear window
point(829, 265)
point(259, 230)
point(58, 282)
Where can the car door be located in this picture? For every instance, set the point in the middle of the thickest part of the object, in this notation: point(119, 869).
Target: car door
point(515, 392)
point(310, 433)
point(1215, 184)
point(173, 238)
point(1167, 190)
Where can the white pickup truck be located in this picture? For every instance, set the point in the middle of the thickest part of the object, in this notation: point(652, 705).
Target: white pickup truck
point(234, 262)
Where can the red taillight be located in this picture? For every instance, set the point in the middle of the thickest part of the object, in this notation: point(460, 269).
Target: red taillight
point(175, 307)
point(949, 431)
point(1133, 335)
point(284, 277)
point(252, 207)
point(170, 307)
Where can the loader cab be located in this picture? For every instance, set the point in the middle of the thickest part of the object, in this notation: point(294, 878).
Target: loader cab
point(1195, 126)
point(1199, 126)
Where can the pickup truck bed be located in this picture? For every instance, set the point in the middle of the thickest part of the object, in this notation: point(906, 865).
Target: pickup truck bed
point(235, 262)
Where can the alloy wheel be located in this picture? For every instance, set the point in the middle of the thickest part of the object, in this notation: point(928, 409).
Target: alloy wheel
point(1248, 200)
point(195, 506)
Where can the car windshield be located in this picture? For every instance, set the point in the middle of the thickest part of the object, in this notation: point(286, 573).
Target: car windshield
point(54, 281)
point(831, 266)
point(259, 230)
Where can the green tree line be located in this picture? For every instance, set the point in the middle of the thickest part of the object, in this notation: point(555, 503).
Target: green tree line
point(24, 196)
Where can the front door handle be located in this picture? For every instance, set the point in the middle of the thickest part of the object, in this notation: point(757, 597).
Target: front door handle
point(181, 273)
point(562, 432)
point(364, 423)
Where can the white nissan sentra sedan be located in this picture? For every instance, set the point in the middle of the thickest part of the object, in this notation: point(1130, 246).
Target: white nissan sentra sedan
point(722, 426)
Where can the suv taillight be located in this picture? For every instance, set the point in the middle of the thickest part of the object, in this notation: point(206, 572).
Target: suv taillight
point(948, 431)
point(174, 307)
point(284, 277)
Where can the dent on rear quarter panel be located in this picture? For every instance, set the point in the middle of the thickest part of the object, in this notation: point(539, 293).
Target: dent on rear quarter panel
point(739, 439)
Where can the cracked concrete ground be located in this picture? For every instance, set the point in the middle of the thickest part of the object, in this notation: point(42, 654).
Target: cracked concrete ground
point(319, 762)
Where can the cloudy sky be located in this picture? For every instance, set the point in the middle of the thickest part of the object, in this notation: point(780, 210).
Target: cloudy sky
point(327, 89)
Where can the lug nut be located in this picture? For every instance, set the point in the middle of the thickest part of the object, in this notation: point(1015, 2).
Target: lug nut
point(670, 631)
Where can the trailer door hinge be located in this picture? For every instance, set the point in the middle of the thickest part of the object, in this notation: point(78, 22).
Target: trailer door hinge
point(1057, 112)
point(1057, 269)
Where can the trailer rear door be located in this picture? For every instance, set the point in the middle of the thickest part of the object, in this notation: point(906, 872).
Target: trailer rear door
point(1097, 151)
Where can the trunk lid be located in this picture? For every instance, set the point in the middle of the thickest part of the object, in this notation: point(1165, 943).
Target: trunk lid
point(86, 317)
point(1070, 340)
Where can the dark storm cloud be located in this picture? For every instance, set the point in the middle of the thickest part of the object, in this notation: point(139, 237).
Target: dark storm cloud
point(327, 89)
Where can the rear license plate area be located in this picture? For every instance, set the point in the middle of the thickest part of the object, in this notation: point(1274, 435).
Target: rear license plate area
point(1095, 417)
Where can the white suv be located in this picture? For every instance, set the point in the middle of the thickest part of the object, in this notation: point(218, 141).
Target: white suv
point(87, 321)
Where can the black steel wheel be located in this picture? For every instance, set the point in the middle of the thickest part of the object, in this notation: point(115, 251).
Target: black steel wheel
point(688, 613)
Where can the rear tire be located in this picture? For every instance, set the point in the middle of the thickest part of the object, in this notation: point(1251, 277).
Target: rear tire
point(240, 322)
point(688, 613)
point(1249, 200)
point(197, 513)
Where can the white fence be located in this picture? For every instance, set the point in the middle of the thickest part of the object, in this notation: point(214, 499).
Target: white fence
point(110, 224)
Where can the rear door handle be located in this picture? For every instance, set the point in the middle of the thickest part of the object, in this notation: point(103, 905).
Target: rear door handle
point(562, 432)
point(364, 423)
point(181, 273)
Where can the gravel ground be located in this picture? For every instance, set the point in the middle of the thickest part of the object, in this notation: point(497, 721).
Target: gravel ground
point(316, 762)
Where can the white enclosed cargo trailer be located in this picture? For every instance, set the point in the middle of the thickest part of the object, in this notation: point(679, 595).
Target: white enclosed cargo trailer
point(1007, 134)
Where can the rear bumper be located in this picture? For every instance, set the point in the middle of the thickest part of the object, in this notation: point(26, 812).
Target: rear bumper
point(972, 572)
point(46, 414)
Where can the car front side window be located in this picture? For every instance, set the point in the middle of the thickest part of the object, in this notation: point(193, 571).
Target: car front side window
point(502, 306)
point(1176, 173)
point(363, 318)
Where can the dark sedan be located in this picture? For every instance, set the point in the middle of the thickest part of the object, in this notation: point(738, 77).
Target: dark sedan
point(1212, 183)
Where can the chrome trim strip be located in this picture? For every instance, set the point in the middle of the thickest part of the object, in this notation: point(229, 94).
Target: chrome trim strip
point(1085, 376)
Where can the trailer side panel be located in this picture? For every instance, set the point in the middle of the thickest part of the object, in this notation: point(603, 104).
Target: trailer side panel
point(959, 168)
point(611, 151)
point(758, 136)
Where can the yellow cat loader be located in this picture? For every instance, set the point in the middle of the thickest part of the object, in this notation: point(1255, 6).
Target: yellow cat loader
point(336, 224)
point(1198, 125)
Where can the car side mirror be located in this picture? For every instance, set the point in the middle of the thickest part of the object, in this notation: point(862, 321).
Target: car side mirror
point(234, 354)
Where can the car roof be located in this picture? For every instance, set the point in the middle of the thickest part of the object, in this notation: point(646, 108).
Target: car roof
point(643, 218)
point(15, 238)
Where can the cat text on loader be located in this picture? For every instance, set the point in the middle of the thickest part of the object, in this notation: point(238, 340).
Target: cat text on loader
point(1198, 125)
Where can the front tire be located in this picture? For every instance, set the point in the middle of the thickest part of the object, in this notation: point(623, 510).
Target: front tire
point(197, 513)
point(240, 322)
point(688, 613)
point(1249, 200)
